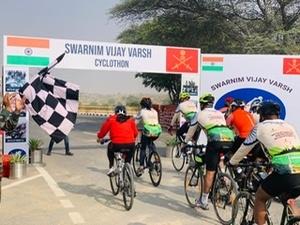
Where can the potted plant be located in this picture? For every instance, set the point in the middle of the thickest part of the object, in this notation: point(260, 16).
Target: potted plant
point(17, 165)
point(35, 150)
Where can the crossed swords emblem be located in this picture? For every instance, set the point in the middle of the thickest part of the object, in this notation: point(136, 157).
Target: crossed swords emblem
point(293, 67)
point(182, 60)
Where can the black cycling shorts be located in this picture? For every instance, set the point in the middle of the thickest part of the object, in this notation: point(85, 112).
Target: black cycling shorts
point(213, 151)
point(276, 184)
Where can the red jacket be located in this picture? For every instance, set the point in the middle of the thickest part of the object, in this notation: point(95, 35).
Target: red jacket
point(119, 133)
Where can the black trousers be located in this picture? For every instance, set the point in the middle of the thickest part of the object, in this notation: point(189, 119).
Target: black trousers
point(67, 146)
point(127, 149)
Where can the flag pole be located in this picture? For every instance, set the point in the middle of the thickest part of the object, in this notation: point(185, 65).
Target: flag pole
point(47, 69)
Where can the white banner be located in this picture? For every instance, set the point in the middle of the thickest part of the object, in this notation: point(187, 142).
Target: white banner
point(16, 140)
point(272, 77)
point(39, 52)
point(191, 85)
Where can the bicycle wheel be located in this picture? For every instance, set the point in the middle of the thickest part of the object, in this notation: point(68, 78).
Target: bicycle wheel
point(224, 192)
point(136, 159)
point(155, 168)
point(128, 186)
point(114, 184)
point(178, 158)
point(242, 213)
point(114, 180)
point(193, 185)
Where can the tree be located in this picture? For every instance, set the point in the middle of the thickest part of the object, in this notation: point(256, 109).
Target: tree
point(215, 26)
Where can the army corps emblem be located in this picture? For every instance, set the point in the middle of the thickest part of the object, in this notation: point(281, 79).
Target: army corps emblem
point(182, 60)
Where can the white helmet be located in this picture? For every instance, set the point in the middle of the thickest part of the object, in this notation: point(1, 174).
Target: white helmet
point(255, 104)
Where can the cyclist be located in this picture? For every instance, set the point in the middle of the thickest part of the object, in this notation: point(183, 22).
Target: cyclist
point(189, 110)
point(219, 139)
point(226, 108)
point(282, 145)
point(254, 106)
point(151, 128)
point(241, 121)
point(122, 131)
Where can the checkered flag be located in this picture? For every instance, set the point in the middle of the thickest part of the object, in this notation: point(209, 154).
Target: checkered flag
point(53, 104)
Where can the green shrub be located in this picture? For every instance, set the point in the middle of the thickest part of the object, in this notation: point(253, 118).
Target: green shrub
point(17, 158)
point(35, 144)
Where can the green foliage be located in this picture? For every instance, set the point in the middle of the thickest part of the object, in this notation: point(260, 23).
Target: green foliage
point(220, 26)
point(35, 144)
point(132, 100)
point(93, 103)
point(171, 141)
point(17, 158)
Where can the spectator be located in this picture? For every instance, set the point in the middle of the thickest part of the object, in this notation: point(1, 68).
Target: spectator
point(10, 113)
point(67, 147)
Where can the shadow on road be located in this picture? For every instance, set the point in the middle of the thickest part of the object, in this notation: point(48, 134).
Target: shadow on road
point(162, 200)
point(100, 194)
point(97, 170)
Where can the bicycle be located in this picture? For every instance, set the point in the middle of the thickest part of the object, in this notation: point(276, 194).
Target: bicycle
point(152, 162)
point(287, 216)
point(243, 205)
point(181, 155)
point(122, 179)
point(222, 192)
point(182, 152)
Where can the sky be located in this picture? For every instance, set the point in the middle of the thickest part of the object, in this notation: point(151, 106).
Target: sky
point(70, 19)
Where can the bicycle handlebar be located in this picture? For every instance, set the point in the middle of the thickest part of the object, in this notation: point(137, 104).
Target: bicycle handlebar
point(103, 141)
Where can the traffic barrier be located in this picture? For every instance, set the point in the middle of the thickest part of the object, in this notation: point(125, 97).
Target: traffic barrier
point(165, 112)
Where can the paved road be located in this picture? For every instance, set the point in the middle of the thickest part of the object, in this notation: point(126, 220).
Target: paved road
point(75, 190)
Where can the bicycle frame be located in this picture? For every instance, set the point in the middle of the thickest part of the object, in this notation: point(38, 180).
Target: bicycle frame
point(120, 165)
point(287, 214)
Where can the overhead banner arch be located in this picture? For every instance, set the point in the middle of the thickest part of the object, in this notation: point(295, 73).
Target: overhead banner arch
point(89, 55)
point(270, 77)
point(21, 53)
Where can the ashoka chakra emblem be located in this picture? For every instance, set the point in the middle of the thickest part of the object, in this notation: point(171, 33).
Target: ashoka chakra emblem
point(28, 51)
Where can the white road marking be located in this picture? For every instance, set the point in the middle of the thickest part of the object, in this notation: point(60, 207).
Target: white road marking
point(76, 218)
point(21, 182)
point(51, 182)
point(66, 203)
point(89, 133)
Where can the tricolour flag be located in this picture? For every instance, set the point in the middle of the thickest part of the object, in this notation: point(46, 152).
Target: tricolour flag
point(53, 104)
point(25, 51)
point(291, 66)
point(212, 63)
point(182, 60)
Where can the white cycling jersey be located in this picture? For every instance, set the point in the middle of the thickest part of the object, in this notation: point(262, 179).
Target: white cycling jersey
point(188, 110)
point(148, 116)
point(210, 117)
point(278, 137)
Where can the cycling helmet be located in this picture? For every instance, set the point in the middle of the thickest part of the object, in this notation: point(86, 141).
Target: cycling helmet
point(207, 98)
point(120, 109)
point(269, 108)
point(184, 95)
point(238, 103)
point(229, 100)
point(255, 104)
point(146, 103)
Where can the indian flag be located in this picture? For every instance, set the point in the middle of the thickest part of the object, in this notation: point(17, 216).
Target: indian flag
point(212, 63)
point(24, 51)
